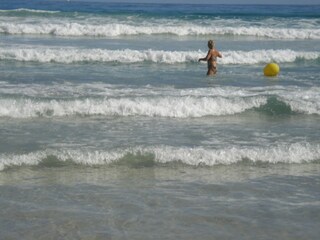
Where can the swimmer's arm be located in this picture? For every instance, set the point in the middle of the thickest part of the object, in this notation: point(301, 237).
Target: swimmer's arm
point(206, 58)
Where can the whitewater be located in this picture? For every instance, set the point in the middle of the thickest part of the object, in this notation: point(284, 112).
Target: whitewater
point(82, 65)
point(103, 25)
point(70, 55)
point(158, 155)
point(110, 128)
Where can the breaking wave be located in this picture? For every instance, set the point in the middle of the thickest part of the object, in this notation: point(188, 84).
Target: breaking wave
point(78, 29)
point(151, 156)
point(64, 100)
point(169, 106)
point(174, 107)
point(68, 99)
point(72, 55)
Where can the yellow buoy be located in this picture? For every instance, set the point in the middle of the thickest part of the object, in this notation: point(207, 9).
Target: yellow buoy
point(271, 69)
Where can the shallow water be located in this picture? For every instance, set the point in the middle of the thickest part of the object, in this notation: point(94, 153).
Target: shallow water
point(109, 127)
point(230, 202)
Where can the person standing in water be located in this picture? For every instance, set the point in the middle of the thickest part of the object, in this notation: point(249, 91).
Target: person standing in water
point(211, 58)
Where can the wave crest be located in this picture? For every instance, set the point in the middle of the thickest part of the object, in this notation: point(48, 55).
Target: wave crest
point(162, 106)
point(27, 10)
point(150, 156)
point(175, 107)
point(78, 29)
point(72, 55)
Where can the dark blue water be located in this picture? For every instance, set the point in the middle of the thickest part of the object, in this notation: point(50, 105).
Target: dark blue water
point(166, 9)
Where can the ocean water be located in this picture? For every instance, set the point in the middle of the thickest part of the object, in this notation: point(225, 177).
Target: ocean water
point(110, 128)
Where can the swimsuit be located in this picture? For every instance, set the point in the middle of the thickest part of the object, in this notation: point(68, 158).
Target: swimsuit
point(212, 64)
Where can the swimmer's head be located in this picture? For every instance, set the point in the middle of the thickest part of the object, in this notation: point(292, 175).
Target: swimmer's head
point(210, 44)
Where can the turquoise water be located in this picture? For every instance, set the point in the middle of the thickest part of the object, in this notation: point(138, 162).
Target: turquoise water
point(109, 128)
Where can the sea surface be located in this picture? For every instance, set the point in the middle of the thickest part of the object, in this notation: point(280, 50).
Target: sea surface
point(110, 128)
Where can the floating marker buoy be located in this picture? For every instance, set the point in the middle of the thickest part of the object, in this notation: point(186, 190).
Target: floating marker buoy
point(271, 69)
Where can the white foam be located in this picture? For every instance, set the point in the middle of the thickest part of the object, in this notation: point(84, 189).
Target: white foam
point(113, 29)
point(176, 107)
point(284, 153)
point(71, 55)
point(306, 101)
point(69, 99)
point(265, 56)
point(28, 10)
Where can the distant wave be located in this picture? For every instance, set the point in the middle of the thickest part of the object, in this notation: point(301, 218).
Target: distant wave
point(18, 10)
point(72, 55)
point(151, 156)
point(103, 29)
